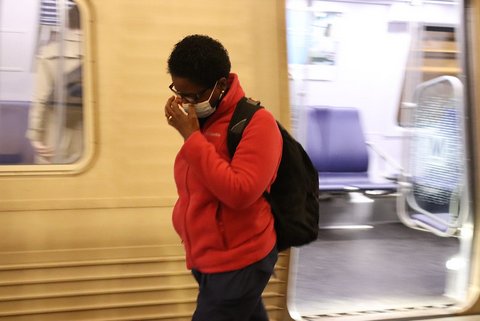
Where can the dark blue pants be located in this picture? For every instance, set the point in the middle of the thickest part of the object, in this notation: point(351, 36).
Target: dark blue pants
point(235, 295)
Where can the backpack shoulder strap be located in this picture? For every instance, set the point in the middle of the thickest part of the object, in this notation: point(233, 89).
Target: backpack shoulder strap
point(242, 114)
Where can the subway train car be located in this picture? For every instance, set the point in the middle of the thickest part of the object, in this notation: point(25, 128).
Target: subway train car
point(86, 156)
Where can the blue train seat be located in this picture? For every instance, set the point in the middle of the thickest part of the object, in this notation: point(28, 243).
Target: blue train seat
point(336, 144)
point(15, 148)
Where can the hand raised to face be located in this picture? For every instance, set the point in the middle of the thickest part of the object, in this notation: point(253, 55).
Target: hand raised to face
point(186, 122)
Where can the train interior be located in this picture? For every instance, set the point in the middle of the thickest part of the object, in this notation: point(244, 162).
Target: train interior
point(377, 98)
point(378, 104)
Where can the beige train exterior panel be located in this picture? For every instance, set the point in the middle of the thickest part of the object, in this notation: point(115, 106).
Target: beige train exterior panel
point(94, 240)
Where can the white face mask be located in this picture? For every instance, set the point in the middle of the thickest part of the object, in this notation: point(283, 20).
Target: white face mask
point(203, 109)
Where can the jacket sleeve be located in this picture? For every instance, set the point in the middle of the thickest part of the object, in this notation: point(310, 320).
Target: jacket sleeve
point(241, 182)
point(43, 88)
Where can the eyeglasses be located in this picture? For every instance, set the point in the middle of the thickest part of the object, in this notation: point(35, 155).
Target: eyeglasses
point(190, 98)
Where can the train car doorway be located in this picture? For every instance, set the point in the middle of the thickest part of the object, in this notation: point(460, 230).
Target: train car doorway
point(378, 99)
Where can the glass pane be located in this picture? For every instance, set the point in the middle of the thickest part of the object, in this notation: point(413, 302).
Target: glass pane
point(41, 105)
point(435, 175)
point(371, 60)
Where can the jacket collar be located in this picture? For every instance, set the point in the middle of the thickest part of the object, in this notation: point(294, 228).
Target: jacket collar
point(229, 101)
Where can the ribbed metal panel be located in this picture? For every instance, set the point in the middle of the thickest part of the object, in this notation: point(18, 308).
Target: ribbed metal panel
point(143, 288)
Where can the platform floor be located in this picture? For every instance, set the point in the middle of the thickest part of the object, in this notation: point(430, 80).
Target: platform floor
point(387, 267)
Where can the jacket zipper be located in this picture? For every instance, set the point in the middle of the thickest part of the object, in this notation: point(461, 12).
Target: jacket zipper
point(187, 239)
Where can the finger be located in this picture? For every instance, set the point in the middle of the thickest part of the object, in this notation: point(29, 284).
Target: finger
point(176, 109)
point(192, 113)
point(46, 154)
point(39, 147)
point(183, 109)
point(169, 119)
point(167, 105)
point(47, 149)
point(178, 100)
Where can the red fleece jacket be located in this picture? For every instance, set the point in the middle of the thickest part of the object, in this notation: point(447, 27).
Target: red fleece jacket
point(221, 216)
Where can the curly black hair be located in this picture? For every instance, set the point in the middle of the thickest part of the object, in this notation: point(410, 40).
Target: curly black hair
point(201, 59)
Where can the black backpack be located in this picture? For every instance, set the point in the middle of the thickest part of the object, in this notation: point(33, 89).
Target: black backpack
point(294, 195)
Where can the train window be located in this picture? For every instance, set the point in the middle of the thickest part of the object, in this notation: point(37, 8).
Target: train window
point(391, 75)
point(41, 77)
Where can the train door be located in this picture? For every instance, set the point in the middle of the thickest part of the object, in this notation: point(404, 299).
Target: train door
point(379, 100)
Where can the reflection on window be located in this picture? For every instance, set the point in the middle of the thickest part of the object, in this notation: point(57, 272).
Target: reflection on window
point(323, 45)
point(41, 106)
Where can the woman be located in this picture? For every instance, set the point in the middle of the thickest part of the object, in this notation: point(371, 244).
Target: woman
point(58, 139)
point(225, 223)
